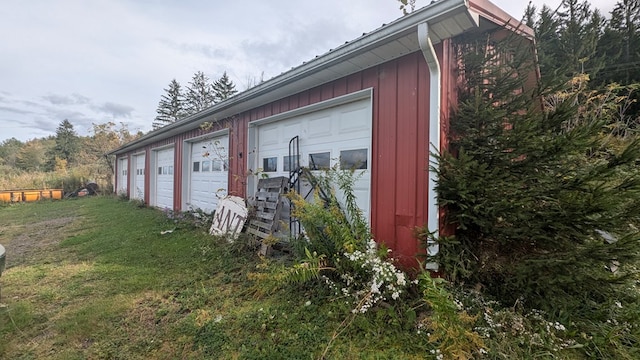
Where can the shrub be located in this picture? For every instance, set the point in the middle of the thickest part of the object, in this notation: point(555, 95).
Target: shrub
point(338, 248)
point(540, 204)
point(544, 199)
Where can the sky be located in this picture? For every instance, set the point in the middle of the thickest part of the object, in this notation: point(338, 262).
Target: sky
point(109, 60)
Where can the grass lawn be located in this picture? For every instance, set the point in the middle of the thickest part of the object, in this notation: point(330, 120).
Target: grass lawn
point(93, 278)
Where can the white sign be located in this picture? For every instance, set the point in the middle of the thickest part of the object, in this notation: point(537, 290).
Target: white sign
point(229, 217)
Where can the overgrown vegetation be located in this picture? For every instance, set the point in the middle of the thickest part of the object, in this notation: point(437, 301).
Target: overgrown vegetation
point(97, 280)
point(65, 161)
point(545, 203)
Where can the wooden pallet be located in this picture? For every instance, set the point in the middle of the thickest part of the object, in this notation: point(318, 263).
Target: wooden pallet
point(268, 207)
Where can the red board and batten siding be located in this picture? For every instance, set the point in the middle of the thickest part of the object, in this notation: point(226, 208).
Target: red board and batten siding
point(400, 149)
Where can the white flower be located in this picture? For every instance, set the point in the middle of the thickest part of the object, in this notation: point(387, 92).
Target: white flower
point(307, 303)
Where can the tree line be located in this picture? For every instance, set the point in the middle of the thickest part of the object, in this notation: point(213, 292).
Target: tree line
point(200, 94)
point(577, 38)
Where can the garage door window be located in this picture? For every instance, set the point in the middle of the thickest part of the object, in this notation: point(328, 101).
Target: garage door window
point(206, 166)
point(216, 165)
point(320, 161)
point(196, 166)
point(294, 161)
point(353, 159)
point(270, 164)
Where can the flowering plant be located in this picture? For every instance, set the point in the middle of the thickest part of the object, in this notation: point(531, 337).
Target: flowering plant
point(338, 248)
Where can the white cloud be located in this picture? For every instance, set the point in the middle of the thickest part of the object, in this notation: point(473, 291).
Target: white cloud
point(109, 60)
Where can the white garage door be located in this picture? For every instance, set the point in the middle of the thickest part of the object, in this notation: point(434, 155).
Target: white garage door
point(138, 177)
point(208, 173)
point(164, 179)
point(123, 165)
point(337, 135)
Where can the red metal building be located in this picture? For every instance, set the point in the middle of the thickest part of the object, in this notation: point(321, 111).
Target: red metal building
point(383, 98)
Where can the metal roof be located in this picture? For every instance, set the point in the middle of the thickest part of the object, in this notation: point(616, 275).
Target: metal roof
point(446, 19)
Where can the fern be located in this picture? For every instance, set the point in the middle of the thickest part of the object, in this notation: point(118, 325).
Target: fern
point(306, 270)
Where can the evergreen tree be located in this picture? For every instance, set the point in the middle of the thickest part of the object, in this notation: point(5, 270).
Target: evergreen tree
point(620, 44)
point(579, 33)
point(567, 39)
point(199, 94)
point(66, 145)
point(171, 107)
point(223, 88)
point(546, 213)
point(547, 31)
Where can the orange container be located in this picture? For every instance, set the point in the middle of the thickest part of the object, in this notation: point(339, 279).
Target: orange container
point(30, 195)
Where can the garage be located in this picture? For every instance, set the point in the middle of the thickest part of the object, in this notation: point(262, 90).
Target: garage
point(336, 133)
point(208, 173)
point(137, 191)
point(123, 168)
point(163, 197)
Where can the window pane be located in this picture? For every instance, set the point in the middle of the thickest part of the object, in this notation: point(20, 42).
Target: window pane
point(216, 165)
point(196, 166)
point(295, 162)
point(171, 170)
point(270, 164)
point(353, 159)
point(320, 161)
point(159, 170)
point(206, 165)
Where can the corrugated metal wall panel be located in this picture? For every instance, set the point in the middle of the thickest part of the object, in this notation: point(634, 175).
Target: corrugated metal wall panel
point(384, 163)
point(449, 100)
point(340, 87)
point(408, 154)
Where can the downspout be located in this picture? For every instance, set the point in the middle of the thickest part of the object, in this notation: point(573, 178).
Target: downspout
point(433, 216)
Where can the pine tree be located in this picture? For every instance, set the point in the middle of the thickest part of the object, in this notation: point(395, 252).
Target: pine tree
point(547, 30)
point(543, 208)
point(66, 145)
point(223, 88)
point(579, 33)
point(199, 94)
point(567, 39)
point(620, 44)
point(171, 107)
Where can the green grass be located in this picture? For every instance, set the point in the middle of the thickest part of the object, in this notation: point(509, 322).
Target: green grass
point(93, 279)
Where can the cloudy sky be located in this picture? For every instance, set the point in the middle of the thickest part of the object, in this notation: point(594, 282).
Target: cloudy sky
point(109, 60)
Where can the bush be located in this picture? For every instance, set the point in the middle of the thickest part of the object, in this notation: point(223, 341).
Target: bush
point(544, 200)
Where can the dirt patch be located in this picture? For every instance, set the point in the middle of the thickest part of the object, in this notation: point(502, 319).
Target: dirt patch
point(27, 243)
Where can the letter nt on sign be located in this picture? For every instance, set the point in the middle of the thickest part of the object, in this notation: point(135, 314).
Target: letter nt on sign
point(229, 217)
